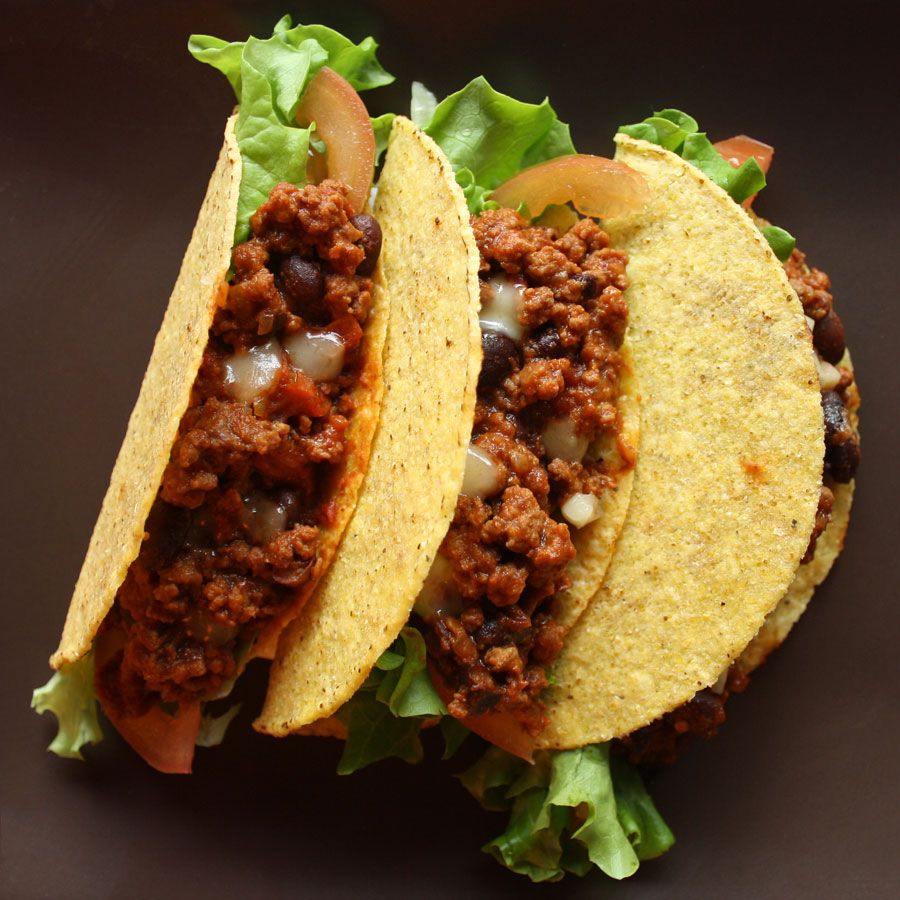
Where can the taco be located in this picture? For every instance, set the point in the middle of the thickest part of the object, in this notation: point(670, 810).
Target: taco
point(488, 588)
point(248, 443)
point(738, 510)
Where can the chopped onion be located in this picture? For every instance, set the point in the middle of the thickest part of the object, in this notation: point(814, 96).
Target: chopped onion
point(562, 442)
point(580, 509)
point(501, 312)
point(718, 687)
point(483, 476)
point(438, 595)
point(829, 377)
point(319, 355)
point(251, 375)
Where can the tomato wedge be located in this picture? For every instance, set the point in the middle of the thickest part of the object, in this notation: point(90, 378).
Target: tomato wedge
point(736, 150)
point(342, 122)
point(739, 148)
point(165, 742)
point(502, 729)
point(599, 187)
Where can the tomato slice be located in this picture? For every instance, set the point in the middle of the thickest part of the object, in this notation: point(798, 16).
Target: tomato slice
point(502, 729)
point(596, 186)
point(736, 150)
point(739, 148)
point(165, 742)
point(342, 122)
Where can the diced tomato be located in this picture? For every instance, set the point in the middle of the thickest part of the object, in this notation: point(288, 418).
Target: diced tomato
point(599, 187)
point(342, 122)
point(350, 332)
point(296, 395)
point(740, 148)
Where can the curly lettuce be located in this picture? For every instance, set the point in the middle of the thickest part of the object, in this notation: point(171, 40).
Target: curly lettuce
point(268, 78)
point(385, 716)
point(571, 811)
point(69, 695)
point(675, 130)
point(488, 136)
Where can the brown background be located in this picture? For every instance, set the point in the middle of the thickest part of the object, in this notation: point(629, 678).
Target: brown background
point(109, 133)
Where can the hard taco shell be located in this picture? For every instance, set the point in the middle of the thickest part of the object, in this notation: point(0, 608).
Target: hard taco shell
point(729, 460)
point(164, 397)
point(431, 364)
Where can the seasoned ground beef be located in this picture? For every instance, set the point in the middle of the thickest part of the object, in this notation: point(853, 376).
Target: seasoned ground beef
point(231, 541)
point(508, 547)
point(663, 741)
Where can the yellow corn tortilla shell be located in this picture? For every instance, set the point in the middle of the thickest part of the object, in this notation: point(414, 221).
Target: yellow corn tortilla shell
point(164, 397)
point(165, 394)
point(729, 460)
point(809, 575)
point(431, 363)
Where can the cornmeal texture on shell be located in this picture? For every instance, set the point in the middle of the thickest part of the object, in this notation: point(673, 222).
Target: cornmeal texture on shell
point(729, 460)
point(810, 575)
point(164, 396)
point(431, 363)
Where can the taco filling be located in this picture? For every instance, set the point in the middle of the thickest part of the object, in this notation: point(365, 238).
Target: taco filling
point(544, 449)
point(233, 539)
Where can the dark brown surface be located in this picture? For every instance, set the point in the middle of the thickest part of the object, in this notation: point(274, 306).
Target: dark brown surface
point(109, 133)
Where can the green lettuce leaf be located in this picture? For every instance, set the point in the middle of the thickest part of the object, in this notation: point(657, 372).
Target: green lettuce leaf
point(679, 132)
point(212, 728)
point(489, 137)
point(268, 78)
point(571, 811)
point(780, 241)
point(385, 716)
point(69, 695)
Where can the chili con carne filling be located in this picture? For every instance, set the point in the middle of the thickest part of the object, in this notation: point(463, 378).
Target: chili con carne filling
point(231, 541)
point(662, 742)
point(553, 318)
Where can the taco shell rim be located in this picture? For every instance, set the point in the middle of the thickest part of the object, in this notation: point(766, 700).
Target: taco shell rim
point(164, 397)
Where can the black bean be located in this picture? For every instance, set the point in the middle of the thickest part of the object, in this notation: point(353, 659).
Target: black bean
point(837, 421)
point(546, 344)
point(589, 281)
point(828, 337)
point(490, 634)
point(370, 243)
point(484, 704)
point(841, 460)
point(303, 282)
point(500, 355)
